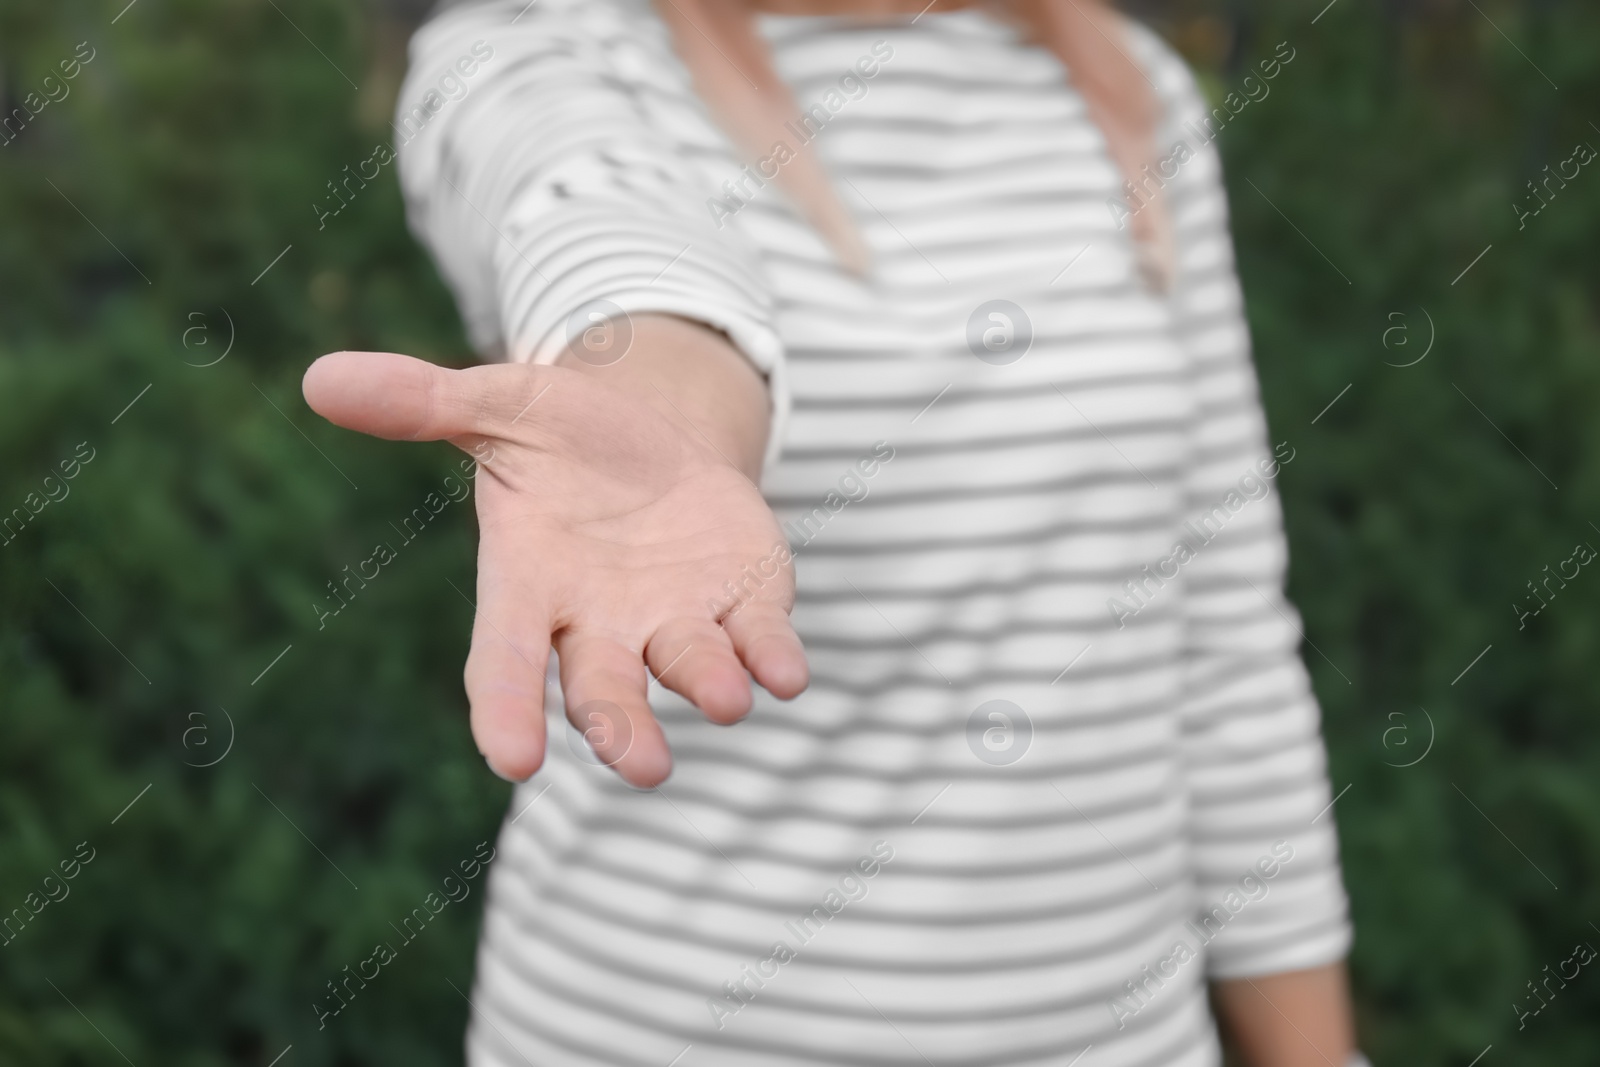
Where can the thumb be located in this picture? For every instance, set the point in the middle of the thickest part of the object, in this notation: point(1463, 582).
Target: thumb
point(395, 397)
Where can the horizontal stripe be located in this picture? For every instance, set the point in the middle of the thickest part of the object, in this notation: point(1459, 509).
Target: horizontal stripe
point(982, 561)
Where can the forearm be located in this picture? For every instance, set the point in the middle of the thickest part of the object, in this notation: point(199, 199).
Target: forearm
point(1297, 1019)
point(695, 377)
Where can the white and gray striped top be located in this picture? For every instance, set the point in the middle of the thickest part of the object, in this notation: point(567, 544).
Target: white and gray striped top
point(895, 869)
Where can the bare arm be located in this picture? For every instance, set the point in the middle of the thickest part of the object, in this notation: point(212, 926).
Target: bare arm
point(694, 377)
point(1296, 1019)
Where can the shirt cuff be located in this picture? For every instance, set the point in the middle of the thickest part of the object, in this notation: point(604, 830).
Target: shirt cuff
point(557, 281)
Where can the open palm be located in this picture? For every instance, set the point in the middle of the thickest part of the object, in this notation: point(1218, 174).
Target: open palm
point(606, 532)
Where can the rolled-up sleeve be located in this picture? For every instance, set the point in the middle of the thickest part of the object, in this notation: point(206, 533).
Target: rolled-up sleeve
point(536, 173)
point(1255, 761)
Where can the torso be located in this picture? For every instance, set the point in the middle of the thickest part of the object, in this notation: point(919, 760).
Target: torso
point(1020, 496)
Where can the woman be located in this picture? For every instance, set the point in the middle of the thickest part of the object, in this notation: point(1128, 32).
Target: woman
point(943, 282)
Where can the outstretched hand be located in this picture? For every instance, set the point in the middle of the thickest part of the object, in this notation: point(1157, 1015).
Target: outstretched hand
point(609, 532)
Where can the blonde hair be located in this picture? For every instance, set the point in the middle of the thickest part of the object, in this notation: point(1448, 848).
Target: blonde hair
point(732, 71)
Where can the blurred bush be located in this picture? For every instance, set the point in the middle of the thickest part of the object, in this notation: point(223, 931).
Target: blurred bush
point(164, 606)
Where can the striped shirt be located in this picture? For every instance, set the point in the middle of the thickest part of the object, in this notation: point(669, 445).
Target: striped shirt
point(1059, 762)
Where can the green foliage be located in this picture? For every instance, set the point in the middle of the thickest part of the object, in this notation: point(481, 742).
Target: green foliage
point(192, 547)
point(1422, 502)
point(197, 541)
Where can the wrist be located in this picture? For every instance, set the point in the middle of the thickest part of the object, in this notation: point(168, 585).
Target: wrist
point(694, 377)
point(1290, 1019)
